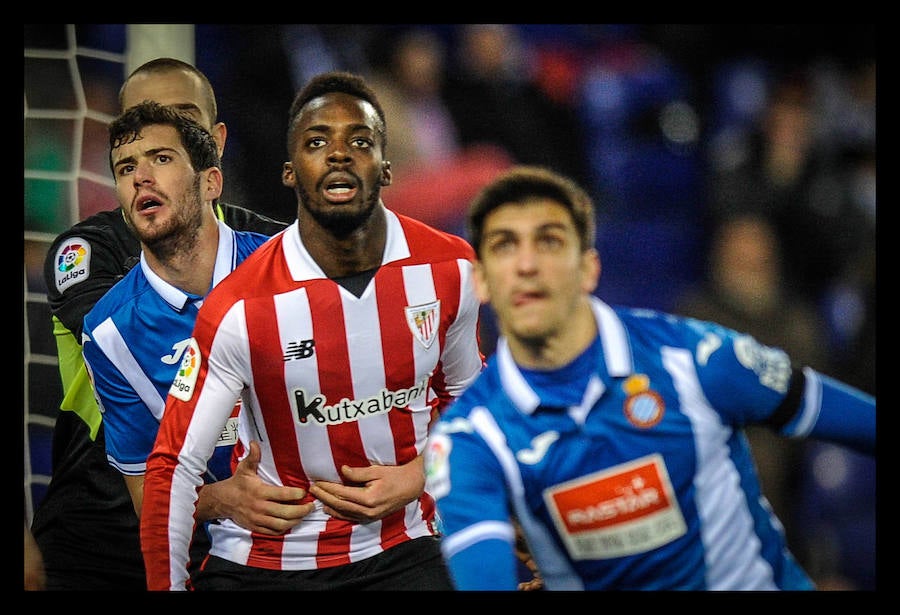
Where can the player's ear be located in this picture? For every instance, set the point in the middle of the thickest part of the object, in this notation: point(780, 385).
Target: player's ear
point(386, 175)
point(481, 288)
point(213, 185)
point(590, 270)
point(219, 134)
point(287, 175)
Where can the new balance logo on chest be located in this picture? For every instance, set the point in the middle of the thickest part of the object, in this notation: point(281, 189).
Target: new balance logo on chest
point(303, 349)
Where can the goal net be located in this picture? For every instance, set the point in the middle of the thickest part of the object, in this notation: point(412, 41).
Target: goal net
point(71, 82)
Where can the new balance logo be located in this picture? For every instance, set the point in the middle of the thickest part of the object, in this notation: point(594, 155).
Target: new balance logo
point(299, 350)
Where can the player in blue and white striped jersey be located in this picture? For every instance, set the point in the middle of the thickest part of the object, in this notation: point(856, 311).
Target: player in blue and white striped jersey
point(613, 437)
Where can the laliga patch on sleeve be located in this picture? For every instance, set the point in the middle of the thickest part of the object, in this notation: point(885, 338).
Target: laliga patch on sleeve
point(186, 377)
point(73, 263)
point(437, 465)
point(772, 365)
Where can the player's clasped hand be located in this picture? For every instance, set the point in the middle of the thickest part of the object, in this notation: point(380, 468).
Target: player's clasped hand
point(370, 497)
point(267, 509)
point(523, 553)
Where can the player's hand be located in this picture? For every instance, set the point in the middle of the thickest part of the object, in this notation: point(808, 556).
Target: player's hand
point(523, 553)
point(376, 491)
point(536, 582)
point(251, 502)
point(35, 575)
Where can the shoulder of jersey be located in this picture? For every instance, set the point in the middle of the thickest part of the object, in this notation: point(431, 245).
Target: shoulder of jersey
point(243, 219)
point(73, 251)
point(103, 224)
point(435, 241)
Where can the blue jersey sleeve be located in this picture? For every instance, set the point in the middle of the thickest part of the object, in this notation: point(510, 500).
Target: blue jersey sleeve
point(487, 565)
point(744, 380)
point(478, 536)
point(130, 427)
point(750, 383)
point(834, 412)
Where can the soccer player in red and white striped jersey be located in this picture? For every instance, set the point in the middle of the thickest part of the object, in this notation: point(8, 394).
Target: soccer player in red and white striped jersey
point(344, 337)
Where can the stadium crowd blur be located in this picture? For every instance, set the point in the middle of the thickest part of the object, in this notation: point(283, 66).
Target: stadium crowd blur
point(734, 168)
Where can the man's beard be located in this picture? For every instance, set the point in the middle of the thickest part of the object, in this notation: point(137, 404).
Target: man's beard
point(340, 221)
point(181, 232)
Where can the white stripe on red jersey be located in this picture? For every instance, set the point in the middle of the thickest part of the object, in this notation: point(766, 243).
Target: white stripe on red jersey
point(327, 379)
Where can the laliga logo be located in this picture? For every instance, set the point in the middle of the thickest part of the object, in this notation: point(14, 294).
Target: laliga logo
point(188, 363)
point(72, 255)
point(71, 264)
point(186, 378)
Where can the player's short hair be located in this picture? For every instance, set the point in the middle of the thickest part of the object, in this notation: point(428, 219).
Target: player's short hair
point(522, 184)
point(199, 143)
point(167, 65)
point(338, 81)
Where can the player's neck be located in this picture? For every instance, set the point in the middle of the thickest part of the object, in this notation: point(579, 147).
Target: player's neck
point(558, 348)
point(359, 251)
point(189, 264)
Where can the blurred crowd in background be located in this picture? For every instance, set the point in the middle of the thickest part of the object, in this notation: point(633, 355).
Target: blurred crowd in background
point(733, 167)
point(676, 129)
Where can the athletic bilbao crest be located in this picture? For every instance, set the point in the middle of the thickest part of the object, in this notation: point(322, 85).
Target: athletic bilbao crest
point(424, 321)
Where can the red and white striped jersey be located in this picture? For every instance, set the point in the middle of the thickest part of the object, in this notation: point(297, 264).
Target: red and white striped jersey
point(326, 379)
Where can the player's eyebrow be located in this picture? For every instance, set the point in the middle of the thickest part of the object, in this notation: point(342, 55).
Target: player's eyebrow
point(132, 159)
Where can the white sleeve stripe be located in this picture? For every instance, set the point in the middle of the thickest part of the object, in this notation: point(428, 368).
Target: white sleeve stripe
point(812, 405)
point(130, 469)
point(488, 429)
point(484, 530)
point(110, 341)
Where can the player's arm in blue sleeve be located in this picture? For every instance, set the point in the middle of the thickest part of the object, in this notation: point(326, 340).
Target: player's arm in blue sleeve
point(469, 487)
point(485, 565)
point(833, 411)
point(750, 383)
point(130, 426)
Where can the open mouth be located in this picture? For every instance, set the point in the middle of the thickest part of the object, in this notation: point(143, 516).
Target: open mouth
point(146, 203)
point(340, 190)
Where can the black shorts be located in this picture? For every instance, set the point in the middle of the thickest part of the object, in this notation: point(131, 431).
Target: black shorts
point(413, 565)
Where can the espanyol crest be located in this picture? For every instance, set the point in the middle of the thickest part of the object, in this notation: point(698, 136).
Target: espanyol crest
point(424, 320)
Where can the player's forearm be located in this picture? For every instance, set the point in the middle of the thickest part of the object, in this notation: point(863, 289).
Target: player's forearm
point(212, 502)
point(843, 415)
point(488, 565)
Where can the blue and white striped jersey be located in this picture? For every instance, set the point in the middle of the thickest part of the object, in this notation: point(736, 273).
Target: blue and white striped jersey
point(628, 469)
point(135, 339)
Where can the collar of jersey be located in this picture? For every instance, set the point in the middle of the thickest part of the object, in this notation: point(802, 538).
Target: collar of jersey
point(616, 353)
